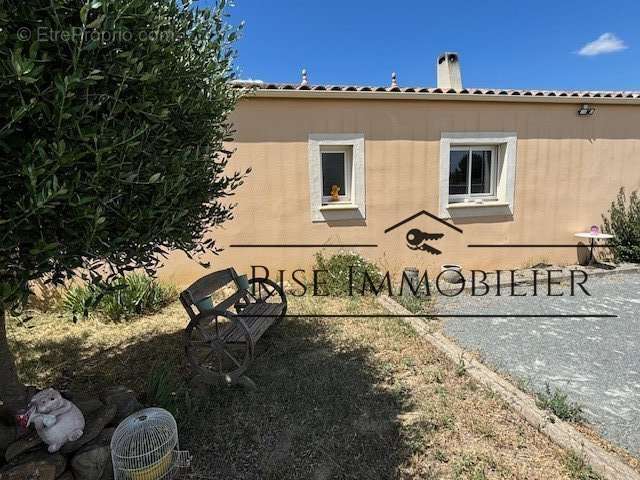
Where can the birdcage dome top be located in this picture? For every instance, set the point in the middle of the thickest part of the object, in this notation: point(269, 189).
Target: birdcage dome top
point(149, 430)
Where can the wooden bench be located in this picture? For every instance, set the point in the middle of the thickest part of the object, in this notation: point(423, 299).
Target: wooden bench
point(220, 339)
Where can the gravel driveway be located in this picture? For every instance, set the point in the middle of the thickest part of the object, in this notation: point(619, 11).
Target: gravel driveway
point(596, 361)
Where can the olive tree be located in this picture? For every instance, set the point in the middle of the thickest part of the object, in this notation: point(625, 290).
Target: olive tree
point(113, 120)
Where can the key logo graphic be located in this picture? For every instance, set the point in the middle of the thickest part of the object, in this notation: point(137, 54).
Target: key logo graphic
point(416, 240)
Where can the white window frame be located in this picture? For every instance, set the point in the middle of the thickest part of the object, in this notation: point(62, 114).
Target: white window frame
point(501, 204)
point(353, 207)
point(347, 151)
point(494, 166)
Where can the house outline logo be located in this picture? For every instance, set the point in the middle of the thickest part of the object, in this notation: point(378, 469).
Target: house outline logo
point(416, 238)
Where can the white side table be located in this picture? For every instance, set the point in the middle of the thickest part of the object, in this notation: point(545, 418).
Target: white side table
point(593, 238)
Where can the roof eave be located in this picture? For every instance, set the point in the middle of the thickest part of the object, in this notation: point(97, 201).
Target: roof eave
point(484, 97)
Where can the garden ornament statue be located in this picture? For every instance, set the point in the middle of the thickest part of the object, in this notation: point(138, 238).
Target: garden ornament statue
point(335, 193)
point(56, 419)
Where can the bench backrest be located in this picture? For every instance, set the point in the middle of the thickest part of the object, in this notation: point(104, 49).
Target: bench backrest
point(207, 286)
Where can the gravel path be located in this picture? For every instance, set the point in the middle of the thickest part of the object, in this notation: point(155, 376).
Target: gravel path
point(596, 361)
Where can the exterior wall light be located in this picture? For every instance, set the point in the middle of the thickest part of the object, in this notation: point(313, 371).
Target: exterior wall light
point(586, 110)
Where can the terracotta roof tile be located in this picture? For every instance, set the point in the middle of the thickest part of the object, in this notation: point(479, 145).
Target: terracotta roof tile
point(464, 91)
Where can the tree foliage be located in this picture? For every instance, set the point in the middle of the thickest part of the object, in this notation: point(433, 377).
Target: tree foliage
point(623, 222)
point(113, 118)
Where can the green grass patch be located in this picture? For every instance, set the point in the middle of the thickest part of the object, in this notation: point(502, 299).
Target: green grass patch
point(579, 469)
point(556, 402)
point(336, 398)
point(416, 303)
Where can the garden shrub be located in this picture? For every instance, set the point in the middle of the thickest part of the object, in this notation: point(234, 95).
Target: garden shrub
point(337, 278)
point(79, 300)
point(165, 389)
point(624, 223)
point(134, 294)
point(557, 402)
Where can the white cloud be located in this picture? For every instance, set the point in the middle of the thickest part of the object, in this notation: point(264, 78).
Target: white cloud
point(606, 43)
point(248, 81)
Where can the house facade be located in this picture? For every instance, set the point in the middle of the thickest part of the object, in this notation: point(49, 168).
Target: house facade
point(483, 177)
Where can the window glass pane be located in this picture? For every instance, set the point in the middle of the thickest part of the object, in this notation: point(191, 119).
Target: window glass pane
point(481, 171)
point(458, 169)
point(333, 173)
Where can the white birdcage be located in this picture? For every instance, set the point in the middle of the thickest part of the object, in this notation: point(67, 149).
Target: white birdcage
point(145, 447)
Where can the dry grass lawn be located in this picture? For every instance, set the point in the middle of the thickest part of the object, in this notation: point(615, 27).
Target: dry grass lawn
point(336, 398)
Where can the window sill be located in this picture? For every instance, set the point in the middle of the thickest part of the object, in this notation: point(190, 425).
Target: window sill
point(481, 209)
point(485, 203)
point(338, 206)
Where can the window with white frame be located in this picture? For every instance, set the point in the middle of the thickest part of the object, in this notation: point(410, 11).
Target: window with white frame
point(477, 174)
point(472, 172)
point(337, 172)
point(336, 176)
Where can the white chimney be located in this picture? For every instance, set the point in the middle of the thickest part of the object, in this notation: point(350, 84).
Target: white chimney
point(449, 75)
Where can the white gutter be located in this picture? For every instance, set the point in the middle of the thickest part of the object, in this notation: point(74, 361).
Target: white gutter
point(317, 94)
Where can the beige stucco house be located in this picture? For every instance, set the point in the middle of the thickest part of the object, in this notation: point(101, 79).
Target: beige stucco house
point(498, 167)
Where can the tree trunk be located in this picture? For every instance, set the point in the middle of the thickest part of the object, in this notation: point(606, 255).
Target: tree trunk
point(12, 392)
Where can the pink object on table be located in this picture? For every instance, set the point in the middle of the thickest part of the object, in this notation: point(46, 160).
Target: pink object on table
point(595, 230)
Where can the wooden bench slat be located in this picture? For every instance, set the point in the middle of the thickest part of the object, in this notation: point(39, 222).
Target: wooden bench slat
point(269, 314)
point(232, 300)
point(208, 284)
point(258, 317)
point(263, 310)
point(238, 335)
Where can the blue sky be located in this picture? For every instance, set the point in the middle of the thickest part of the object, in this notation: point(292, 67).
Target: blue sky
point(506, 44)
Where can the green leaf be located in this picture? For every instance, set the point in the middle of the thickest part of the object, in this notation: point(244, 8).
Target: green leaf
point(84, 12)
point(97, 22)
point(33, 49)
point(16, 62)
point(18, 113)
point(155, 178)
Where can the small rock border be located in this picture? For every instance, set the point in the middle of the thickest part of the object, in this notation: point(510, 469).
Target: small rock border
point(88, 458)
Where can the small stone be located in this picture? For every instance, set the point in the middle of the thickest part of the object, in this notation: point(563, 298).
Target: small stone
point(93, 461)
point(88, 406)
point(7, 437)
point(94, 424)
point(24, 444)
point(30, 472)
point(26, 465)
point(108, 470)
point(124, 399)
point(66, 476)
point(105, 438)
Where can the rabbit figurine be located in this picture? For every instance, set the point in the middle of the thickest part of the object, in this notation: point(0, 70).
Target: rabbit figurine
point(56, 419)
